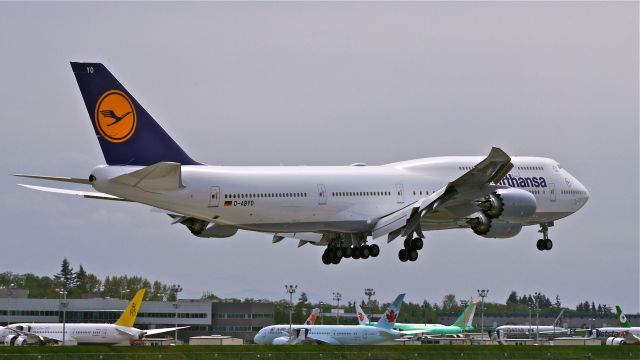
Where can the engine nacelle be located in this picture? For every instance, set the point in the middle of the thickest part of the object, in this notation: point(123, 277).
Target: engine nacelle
point(15, 340)
point(501, 230)
point(480, 223)
point(508, 205)
point(282, 340)
point(615, 341)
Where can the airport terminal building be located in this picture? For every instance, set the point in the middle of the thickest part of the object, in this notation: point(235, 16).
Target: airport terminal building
point(240, 320)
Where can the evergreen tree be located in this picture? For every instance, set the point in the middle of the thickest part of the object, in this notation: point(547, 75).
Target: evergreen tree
point(557, 304)
point(66, 277)
point(81, 280)
point(303, 298)
point(512, 299)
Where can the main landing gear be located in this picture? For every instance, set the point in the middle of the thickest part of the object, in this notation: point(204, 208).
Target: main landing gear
point(545, 243)
point(333, 255)
point(410, 251)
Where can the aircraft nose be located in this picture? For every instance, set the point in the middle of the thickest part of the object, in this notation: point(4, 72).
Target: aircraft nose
point(257, 339)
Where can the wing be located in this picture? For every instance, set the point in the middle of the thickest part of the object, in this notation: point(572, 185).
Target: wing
point(469, 187)
point(163, 330)
point(86, 194)
point(324, 339)
point(34, 338)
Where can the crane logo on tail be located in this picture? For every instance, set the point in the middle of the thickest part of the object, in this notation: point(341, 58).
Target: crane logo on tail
point(115, 116)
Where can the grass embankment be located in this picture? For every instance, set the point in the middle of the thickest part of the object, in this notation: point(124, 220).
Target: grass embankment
point(435, 352)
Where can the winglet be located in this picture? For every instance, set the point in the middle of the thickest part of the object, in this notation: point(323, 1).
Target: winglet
point(129, 314)
point(390, 316)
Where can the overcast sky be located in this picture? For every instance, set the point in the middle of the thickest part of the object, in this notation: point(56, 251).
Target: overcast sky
point(330, 83)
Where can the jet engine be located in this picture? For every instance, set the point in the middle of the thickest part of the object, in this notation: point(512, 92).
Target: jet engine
point(615, 341)
point(502, 230)
point(201, 228)
point(480, 223)
point(508, 204)
point(15, 340)
point(282, 340)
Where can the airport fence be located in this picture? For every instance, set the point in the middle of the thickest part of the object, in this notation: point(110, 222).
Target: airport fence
point(315, 355)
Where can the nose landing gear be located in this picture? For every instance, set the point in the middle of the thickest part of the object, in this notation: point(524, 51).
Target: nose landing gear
point(545, 243)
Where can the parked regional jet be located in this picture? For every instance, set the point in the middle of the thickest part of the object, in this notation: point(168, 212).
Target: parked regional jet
point(623, 334)
point(530, 330)
point(335, 334)
point(463, 323)
point(340, 207)
point(122, 332)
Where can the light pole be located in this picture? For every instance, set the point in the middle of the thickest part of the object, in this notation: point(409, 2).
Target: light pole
point(63, 304)
point(369, 293)
point(483, 293)
point(537, 298)
point(529, 331)
point(321, 310)
point(337, 297)
point(176, 290)
point(125, 291)
point(291, 289)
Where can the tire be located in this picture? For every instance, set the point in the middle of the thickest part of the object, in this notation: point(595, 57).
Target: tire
point(374, 250)
point(355, 253)
point(407, 243)
point(413, 255)
point(336, 260)
point(402, 255)
point(548, 244)
point(326, 259)
point(417, 243)
point(364, 252)
point(346, 252)
point(338, 253)
point(540, 245)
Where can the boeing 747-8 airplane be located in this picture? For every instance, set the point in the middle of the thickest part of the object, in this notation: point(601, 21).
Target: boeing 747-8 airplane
point(341, 207)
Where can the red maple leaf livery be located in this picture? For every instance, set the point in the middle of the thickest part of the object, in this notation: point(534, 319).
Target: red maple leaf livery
point(392, 316)
point(360, 316)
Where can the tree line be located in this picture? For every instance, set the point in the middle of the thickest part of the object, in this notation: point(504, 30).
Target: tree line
point(82, 284)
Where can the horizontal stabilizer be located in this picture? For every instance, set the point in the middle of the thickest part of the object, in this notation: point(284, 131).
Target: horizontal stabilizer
point(55, 178)
point(157, 177)
point(86, 194)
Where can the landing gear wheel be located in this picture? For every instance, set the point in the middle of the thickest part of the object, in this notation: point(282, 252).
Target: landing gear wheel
point(407, 243)
point(346, 252)
point(548, 244)
point(374, 250)
point(326, 259)
point(417, 243)
point(364, 252)
point(355, 253)
point(338, 253)
point(413, 255)
point(540, 244)
point(402, 255)
point(336, 260)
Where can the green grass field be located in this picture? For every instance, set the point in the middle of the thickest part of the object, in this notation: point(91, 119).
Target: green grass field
point(322, 352)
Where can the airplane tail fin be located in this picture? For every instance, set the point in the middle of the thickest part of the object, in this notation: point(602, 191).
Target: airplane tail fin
point(129, 314)
point(466, 318)
point(622, 318)
point(388, 319)
point(127, 134)
point(312, 317)
point(362, 317)
point(558, 322)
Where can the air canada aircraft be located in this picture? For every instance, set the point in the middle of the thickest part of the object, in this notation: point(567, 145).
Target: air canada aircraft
point(335, 334)
point(122, 332)
point(463, 323)
point(343, 208)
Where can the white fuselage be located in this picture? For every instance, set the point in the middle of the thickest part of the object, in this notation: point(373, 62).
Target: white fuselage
point(330, 334)
point(607, 332)
point(287, 199)
point(519, 330)
point(80, 333)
